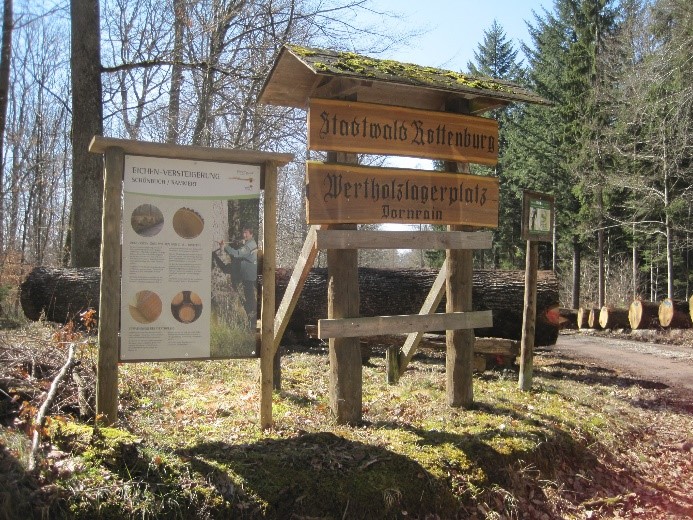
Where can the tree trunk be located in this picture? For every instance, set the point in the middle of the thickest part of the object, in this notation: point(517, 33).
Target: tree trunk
point(611, 318)
point(87, 121)
point(62, 293)
point(5, 58)
point(643, 315)
point(576, 272)
point(674, 314)
point(180, 18)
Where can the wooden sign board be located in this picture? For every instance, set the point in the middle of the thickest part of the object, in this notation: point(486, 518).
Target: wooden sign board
point(342, 193)
point(537, 216)
point(381, 129)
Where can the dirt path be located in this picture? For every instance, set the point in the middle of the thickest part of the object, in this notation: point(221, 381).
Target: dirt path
point(668, 364)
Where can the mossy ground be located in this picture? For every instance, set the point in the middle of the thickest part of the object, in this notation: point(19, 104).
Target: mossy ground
point(188, 445)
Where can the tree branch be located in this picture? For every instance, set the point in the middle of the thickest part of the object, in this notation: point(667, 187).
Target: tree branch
point(41, 416)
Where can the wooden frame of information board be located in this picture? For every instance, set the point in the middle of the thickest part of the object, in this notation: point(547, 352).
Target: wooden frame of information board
point(114, 151)
point(537, 216)
point(537, 225)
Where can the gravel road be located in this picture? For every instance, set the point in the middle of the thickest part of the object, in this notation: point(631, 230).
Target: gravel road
point(668, 364)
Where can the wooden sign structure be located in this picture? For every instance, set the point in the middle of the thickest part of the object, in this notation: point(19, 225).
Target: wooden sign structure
point(350, 100)
point(114, 151)
point(340, 193)
point(537, 225)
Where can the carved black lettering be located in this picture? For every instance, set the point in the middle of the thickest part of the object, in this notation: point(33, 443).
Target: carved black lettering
point(375, 131)
point(334, 186)
point(325, 128)
point(418, 132)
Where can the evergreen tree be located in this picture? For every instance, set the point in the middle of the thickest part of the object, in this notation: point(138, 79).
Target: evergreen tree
point(551, 149)
point(496, 57)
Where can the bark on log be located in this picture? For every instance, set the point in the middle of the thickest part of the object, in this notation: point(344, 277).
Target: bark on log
point(674, 314)
point(65, 292)
point(568, 318)
point(612, 318)
point(60, 293)
point(643, 315)
point(388, 292)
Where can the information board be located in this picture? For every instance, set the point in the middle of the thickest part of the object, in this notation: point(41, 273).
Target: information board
point(537, 216)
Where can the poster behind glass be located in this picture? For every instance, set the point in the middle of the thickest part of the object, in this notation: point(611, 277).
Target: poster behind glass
point(189, 259)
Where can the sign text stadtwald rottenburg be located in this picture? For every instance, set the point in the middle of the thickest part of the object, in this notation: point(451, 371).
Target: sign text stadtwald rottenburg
point(362, 195)
point(379, 129)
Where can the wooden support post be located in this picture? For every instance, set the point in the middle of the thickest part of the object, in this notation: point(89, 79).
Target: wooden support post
point(392, 364)
point(530, 316)
point(435, 295)
point(306, 259)
point(109, 308)
point(269, 260)
point(459, 356)
point(346, 378)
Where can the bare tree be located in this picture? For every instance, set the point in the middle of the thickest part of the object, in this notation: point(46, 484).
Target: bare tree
point(5, 56)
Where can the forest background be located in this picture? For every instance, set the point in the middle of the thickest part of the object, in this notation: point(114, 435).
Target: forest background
point(614, 148)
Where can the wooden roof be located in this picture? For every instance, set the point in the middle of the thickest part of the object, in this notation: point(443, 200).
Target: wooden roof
point(300, 73)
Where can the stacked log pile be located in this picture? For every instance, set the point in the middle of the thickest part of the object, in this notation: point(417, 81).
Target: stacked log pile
point(62, 293)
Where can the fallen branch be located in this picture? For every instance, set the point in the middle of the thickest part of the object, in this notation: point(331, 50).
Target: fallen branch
point(41, 415)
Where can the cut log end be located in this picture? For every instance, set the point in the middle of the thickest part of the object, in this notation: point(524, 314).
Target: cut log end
point(674, 314)
point(613, 318)
point(643, 315)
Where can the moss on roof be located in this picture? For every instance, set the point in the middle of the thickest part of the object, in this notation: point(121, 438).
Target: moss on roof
point(363, 67)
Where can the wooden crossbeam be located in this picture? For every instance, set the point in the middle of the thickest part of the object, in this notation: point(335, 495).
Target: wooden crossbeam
point(350, 239)
point(430, 304)
point(305, 262)
point(377, 325)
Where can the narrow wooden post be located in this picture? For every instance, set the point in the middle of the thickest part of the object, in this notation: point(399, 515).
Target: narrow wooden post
point(392, 364)
point(109, 308)
point(346, 379)
point(269, 260)
point(529, 317)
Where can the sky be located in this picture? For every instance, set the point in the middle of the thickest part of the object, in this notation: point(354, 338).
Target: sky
point(454, 28)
